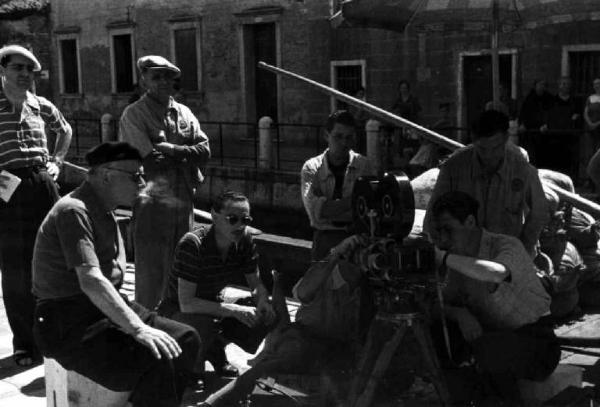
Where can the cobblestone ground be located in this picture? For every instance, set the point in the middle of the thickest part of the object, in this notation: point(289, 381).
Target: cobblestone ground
point(26, 388)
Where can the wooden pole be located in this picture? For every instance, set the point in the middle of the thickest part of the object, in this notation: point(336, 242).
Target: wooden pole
point(495, 57)
point(579, 202)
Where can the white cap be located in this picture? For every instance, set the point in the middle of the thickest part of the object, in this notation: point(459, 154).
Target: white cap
point(19, 50)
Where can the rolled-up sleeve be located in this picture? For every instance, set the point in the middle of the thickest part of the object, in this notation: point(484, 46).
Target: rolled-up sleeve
point(133, 131)
point(443, 184)
point(312, 197)
point(76, 236)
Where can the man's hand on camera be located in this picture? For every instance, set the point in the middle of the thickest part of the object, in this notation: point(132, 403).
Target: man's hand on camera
point(345, 248)
point(159, 342)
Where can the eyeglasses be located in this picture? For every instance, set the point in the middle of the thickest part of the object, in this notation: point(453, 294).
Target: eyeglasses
point(234, 219)
point(21, 67)
point(137, 177)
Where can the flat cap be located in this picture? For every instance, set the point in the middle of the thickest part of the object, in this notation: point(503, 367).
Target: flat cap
point(19, 50)
point(111, 151)
point(157, 62)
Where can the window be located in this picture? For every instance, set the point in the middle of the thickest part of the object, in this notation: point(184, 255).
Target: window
point(185, 52)
point(122, 58)
point(347, 77)
point(69, 67)
point(582, 64)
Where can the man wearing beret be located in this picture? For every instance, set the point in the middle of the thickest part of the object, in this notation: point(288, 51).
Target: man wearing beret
point(25, 121)
point(174, 149)
point(81, 320)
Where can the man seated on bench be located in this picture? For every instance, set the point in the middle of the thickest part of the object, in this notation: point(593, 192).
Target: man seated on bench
point(327, 324)
point(497, 308)
point(205, 262)
point(81, 320)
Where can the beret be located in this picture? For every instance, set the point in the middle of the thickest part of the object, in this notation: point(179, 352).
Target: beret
point(111, 151)
point(156, 62)
point(19, 50)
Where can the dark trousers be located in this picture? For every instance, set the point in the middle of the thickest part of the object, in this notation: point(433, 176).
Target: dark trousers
point(20, 219)
point(80, 337)
point(502, 357)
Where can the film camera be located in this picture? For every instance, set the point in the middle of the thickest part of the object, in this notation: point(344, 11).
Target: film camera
point(400, 265)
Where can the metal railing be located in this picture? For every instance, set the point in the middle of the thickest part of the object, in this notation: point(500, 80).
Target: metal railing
point(87, 132)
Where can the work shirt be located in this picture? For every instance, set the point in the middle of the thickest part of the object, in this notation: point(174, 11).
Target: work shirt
point(198, 260)
point(147, 122)
point(519, 300)
point(511, 200)
point(333, 312)
point(317, 184)
point(23, 140)
point(77, 232)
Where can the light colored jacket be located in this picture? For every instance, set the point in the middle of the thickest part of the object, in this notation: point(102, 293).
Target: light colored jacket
point(317, 184)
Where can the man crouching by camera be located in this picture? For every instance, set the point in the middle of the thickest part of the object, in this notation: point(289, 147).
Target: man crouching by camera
point(325, 328)
point(496, 307)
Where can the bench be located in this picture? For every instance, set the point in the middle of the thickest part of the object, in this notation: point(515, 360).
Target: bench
point(65, 388)
point(535, 393)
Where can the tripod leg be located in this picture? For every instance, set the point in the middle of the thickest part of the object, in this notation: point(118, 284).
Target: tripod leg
point(381, 365)
point(431, 361)
point(364, 365)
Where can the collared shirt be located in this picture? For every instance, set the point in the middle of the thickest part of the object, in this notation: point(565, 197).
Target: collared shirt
point(147, 122)
point(23, 141)
point(511, 200)
point(77, 232)
point(317, 184)
point(198, 260)
point(334, 310)
point(517, 301)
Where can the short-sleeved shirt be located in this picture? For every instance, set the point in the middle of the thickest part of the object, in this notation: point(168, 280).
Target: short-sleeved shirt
point(511, 201)
point(197, 260)
point(517, 301)
point(318, 184)
point(77, 232)
point(23, 141)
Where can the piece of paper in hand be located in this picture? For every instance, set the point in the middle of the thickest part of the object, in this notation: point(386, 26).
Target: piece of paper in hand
point(8, 184)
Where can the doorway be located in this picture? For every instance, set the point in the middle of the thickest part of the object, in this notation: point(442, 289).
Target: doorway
point(475, 76)
point(260, 44)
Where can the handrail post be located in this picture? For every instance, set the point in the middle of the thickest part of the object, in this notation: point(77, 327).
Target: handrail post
point(373, 149)
point(221, 144)
point(106, 127)
point(265, 142)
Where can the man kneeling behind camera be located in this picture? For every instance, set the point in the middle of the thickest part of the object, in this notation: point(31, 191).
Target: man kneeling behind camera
point(497, 308)
point(327, 321)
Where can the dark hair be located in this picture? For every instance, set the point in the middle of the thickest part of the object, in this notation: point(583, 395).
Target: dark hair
point(342, 117)
point(404, 82)
point(5, 60)
point(456, 203)
point(489, 123)
point(228, 196)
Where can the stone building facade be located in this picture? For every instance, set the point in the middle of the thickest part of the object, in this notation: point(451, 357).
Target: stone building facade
point(218, 42)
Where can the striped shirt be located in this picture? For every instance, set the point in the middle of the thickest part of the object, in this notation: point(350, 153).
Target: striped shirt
point(197, 259)
point(23, 141)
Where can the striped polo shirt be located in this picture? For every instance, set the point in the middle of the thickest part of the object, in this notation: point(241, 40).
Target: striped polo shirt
point(23, 141)
point(197, 259)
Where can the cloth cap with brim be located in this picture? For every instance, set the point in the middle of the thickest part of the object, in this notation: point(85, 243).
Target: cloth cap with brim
point(158, 63)
point(24, 52)
point(110, 152)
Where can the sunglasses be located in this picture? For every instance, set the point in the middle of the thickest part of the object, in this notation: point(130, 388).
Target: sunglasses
point(137, 177)
point(157, 76)
point(21, 67)
point(234, 219)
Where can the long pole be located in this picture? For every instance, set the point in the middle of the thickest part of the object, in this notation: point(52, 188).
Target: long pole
point(574, 199)
point(495, 57)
